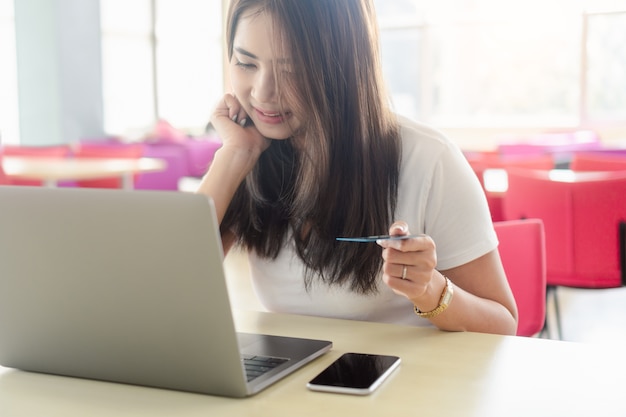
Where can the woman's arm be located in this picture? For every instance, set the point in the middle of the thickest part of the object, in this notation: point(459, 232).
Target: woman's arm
point(241, 148)
point(482, 300)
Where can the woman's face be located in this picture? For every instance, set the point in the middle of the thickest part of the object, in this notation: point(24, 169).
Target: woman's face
point(254, 69)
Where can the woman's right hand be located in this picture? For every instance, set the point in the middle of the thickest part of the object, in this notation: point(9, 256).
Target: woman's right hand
point(242, 144)
point(235, 128)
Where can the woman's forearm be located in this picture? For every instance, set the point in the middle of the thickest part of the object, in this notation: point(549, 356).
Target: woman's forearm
point(467, 312)
point(227, 171)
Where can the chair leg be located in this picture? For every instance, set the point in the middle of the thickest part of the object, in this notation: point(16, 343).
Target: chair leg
point(622, 250)
point(546, 332)
point(557, 314)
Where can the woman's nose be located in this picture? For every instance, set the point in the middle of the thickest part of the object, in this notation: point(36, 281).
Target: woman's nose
point(264, 88)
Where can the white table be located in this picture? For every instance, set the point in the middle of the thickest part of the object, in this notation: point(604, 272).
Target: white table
point(53, 170)
point(442, 374)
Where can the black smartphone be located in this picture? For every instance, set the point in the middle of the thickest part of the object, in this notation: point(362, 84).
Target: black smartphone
point(355, 373)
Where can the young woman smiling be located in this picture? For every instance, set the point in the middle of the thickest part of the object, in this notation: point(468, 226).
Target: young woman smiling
point(312, 151)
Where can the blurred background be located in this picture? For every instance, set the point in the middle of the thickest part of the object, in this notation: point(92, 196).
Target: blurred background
point(476, 69)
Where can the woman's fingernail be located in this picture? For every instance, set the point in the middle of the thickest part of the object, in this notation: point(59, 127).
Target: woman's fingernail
point(243, 122)
point(234, 118)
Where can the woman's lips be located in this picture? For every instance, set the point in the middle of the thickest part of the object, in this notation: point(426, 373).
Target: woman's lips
point(271, 117)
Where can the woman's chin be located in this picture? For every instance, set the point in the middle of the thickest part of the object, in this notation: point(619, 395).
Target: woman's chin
point(281, 138)
point(277, 131)
point(276, 134)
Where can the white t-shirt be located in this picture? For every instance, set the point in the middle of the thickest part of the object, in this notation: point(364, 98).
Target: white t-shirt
point(438, 195)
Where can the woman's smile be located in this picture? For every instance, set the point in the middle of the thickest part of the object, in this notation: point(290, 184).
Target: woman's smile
point(254, 77)
point(271, 117)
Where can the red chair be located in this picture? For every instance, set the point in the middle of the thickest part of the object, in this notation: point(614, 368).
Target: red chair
point(55, 151)
point(593, 161)
point(107, 150)
point(584, 216)
point(522, 250)
point(481, 162)
point(4, 180)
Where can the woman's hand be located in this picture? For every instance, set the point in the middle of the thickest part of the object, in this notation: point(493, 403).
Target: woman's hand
point(242, 144)
point(409, 267)
point(482, 302)
point(235, 128)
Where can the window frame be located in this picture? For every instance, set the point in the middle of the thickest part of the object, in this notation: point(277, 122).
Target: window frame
point(155, 38)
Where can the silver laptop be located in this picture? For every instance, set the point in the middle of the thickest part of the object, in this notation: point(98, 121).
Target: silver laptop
point(127, 287)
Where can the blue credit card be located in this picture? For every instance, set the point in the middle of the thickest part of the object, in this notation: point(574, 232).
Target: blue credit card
point(375, 238)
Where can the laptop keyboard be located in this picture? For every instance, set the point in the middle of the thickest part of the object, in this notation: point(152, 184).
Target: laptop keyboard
point(256, 366)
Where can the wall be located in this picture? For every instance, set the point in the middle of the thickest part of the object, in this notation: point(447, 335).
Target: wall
point(59, 70)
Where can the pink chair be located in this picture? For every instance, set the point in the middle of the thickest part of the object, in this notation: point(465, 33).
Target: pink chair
point(584, 216)
point(55, 151)
point(107, 150)
point(522, 251)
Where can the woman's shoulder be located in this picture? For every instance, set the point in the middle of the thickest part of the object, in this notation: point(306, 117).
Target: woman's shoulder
point(421, 139)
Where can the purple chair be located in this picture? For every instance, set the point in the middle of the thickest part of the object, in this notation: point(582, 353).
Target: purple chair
point(190, 157)
point(200, 152)
point(185, 157)
point(175, 156)
point(561, 145)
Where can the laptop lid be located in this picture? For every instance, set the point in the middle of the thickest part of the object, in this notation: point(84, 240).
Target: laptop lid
point(125, 287)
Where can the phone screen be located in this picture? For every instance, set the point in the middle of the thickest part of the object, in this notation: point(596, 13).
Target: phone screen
point(355, 373)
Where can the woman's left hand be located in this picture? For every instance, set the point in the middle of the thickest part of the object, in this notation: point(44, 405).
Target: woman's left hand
point(409, 264)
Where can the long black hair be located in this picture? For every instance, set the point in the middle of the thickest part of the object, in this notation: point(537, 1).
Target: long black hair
point(338, 174)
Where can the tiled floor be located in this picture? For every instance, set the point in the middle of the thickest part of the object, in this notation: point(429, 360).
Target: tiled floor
point(595, 316)
point(590, 316)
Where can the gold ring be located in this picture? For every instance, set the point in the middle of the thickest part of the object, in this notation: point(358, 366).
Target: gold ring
point(403, 271)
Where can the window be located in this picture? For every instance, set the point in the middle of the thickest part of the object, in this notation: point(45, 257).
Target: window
point(9, 121)
point(127, 74)
point(161, 59)
point(488, 63)
point(606, 66)
point(189, 60)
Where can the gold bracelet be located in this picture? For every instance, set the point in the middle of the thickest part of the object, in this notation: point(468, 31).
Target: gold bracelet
point(444, 302)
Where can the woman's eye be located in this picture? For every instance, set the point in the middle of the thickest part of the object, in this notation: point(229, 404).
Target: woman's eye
point(244, 66)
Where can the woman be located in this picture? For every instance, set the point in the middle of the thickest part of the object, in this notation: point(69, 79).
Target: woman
point(311, 152)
